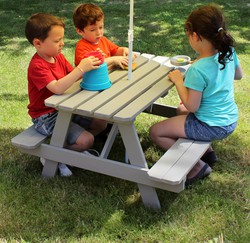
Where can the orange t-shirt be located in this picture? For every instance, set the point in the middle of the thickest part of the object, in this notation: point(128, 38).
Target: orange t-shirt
point(107, 47)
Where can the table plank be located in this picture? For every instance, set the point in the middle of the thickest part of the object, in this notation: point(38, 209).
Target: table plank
point(169, 159)
point(182, 167)
point(161, 59)
point(116, 89)
point(117, 103)
point(130, 112)
point(55, 100)
point(114, 76)
point(118, 74)
point(76, 100)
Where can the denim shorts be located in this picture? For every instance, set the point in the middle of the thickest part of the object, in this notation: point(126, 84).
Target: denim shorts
point(198, 130)
point(45, 125)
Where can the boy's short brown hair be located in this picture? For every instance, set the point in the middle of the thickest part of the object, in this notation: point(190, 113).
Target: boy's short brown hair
point(39, 25)
point(87, 14)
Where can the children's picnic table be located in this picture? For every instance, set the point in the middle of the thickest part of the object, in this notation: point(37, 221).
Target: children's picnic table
point(119, 105)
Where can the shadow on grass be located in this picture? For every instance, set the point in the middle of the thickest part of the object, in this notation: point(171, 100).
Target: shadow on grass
point(13, 97)
point(87, 203)
point(160, 20)
point(80, 205)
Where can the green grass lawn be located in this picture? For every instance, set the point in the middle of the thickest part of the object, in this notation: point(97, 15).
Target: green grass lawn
point(90, 207)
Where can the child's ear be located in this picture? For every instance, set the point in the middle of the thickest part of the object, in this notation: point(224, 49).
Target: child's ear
point(79, 32)
point(36, 42)
point(196, 36)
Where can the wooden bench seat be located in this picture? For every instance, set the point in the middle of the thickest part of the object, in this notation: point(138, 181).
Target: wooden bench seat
point(28, 139)
point(175, 164)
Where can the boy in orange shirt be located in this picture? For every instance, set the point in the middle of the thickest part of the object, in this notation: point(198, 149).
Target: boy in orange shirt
point(89, 22)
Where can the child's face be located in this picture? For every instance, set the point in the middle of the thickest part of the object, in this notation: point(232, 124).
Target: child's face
point(93, 33)
point(53, 44)
point(194, 41)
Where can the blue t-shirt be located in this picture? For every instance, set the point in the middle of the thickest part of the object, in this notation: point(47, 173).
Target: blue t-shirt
point(218, 107)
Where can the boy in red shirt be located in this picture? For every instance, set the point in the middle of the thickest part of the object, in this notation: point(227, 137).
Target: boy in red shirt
point(50, 73)
point(89, 22)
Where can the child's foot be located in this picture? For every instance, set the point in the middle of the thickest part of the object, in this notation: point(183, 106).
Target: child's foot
point(204, 172)
point(91, 152)
point(64, 170)
point(210, 158)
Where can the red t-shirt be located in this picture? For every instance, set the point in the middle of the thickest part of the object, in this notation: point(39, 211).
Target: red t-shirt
point(40, 74)
point(106, 46)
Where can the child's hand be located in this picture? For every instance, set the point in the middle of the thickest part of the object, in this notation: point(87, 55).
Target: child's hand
point(89, 63)
point(126, 53)
point(192, 61)
point(175, 76)
point(121, 61)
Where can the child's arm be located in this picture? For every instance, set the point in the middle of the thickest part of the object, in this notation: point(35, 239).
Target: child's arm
point(124, 51)
point(189, 97)
point(61, 85)
point(119, 59)
point(238, 73)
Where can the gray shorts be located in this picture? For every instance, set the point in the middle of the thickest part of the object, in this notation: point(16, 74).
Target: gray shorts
point(198, 130)
point(45, 125)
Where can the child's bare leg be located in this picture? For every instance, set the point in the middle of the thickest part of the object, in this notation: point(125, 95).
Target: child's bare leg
point(97, 126)
point(83, 142)
point(165, 133)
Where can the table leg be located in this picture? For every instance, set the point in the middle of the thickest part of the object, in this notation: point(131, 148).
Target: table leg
point(49, 169)
point(58, 139)
point(109, 142)
point(136, 157)
point(61, 128)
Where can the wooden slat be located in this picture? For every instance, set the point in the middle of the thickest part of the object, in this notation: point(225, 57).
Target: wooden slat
point(28, 139)
point(120, 74)
point(130, 94)
point(76, 100)
point(116, 89)
point(88, 107)
point(168, 160)
point(160, 59)
point(161, 110)
point(55, 100)
point(130, 112)
point(175, 164)
point(147, 55)
point(184, 165)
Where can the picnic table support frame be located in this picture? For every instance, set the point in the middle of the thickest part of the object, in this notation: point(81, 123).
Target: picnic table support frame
point(132, 146)
point(58, 139)
point(119, 105)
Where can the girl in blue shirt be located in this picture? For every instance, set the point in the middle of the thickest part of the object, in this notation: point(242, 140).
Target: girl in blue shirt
point(209, 111)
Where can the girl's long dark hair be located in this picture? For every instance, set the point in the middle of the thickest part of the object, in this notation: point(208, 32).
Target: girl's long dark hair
point(209, 22)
